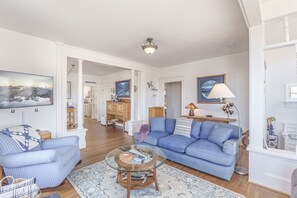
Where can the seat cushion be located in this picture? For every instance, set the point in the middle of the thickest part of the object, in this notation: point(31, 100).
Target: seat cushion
point(66, 153)
point(177, 143)
point(153, 137)
point(170, 125)
point(219, 135)
point(183, 127)
point(211, 152)
point(158, 124)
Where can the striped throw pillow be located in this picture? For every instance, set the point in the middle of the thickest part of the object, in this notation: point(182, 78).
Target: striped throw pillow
point(183, 127)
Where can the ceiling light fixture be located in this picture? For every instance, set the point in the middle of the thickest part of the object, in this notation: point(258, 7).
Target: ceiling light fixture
point(149, 47)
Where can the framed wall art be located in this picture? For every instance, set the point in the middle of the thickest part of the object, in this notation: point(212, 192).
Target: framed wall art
point(25, 90)
point(123, 89)
point(205, 85)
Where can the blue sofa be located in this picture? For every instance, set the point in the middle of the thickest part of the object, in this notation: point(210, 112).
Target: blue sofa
point(200, 151)
point(49, 163)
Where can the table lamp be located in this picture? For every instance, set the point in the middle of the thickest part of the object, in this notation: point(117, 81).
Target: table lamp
point(221, 91)
point(191, 108)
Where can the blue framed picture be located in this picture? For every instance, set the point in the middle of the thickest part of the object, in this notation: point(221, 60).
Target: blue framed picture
point(123, 89)
point(205, 85)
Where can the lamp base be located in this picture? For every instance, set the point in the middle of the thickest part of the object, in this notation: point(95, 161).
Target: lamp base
point(241, 170)
point(191, 112)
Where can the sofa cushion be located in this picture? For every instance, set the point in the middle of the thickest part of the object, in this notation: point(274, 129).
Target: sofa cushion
point(219, 135)
point(24, 135)
point(211, 152)
point(177, 143)
point(235, 130)
point(153, 137)
point(206, 128)
point(196, 128)
point(183, 127)
point(8, 145)
point(66, 153)
point(170, 125)
point(158, 124)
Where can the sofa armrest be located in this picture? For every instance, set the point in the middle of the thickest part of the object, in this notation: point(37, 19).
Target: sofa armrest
point(230, 146)
point(58, 142)
point(28, 158)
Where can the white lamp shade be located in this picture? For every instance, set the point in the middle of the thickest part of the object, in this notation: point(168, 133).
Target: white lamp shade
point(220, 90)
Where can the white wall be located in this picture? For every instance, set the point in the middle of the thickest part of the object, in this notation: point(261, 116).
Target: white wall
point(281, 69)
point(23, 53)
point(72, 77)
point(235, 67)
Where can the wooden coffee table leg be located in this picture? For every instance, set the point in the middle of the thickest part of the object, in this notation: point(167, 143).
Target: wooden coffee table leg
point(155, 179)
point(128, 184)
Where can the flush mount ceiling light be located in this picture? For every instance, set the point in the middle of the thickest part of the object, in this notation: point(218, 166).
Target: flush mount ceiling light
point(149, 47)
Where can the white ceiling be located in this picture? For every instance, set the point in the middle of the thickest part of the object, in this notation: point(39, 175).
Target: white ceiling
point(185, 30)
point(92, 68)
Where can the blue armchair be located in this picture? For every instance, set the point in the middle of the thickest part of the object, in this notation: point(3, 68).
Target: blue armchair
point(49, 163)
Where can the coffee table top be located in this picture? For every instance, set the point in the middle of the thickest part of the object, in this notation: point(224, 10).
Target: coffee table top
point(135, 158)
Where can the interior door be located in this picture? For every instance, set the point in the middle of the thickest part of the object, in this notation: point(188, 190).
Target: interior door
point(105, 96)
point(94, 102)
point(173, 99)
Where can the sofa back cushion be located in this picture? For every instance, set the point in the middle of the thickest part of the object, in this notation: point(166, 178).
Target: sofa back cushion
point(183, 127)
point(158, 124)
point(170, 125)
point(219, 135)
point(206, 128)
point(235, 130)
point(196, 129)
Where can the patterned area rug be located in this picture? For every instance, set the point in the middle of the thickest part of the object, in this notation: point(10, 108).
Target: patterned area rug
point(99, 181)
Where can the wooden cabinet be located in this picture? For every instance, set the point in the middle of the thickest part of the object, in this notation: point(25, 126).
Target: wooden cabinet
point(156, 112)
point(118, 110)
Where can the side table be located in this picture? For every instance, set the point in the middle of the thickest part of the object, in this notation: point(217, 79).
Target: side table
point(45, 135)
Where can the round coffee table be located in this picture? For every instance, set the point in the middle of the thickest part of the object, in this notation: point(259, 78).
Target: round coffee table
point(136, 165)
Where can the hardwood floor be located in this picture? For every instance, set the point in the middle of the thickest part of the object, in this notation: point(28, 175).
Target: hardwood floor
point(101, 140)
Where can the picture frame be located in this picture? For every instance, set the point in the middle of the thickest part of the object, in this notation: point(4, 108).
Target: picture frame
point(68, 89)
point(205, 85)
point(123, 89)
point(18, 90)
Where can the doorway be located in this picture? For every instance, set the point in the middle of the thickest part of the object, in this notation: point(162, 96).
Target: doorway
point(173, 92)
point(90, 102)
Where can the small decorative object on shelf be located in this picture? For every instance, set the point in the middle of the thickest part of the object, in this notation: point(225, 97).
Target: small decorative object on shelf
point(272, 139)
point(191, 107)
point(209, 116)
point(228, 109)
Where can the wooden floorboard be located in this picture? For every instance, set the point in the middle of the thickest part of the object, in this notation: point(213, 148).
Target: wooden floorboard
point(101, 140)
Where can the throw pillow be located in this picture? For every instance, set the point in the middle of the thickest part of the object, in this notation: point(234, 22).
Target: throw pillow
point(183, 127)
point(26, 137)
point(158, 124)
point(219, 135)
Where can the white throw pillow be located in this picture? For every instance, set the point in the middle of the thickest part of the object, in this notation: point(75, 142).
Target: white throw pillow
point(183, 127)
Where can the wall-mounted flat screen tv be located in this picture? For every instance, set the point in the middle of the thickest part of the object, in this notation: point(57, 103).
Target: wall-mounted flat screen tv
point(25, 90)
